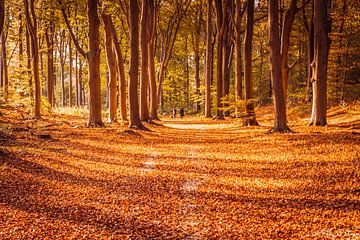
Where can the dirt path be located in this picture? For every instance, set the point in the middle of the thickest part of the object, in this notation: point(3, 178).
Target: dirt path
point(188, 179)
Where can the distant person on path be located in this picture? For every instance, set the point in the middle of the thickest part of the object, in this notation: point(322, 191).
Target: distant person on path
point(182, 112)
point(174, 113)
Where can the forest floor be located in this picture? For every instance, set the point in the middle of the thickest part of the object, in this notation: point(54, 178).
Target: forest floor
point(190, 178)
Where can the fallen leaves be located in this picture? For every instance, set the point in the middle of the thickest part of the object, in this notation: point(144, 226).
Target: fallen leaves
point(192, 178)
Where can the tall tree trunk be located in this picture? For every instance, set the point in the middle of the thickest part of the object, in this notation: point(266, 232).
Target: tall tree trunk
point(70, 72)
point(49, 34)
point(31, 21)
point(28, 64)
point(280, 122)
point(248, 43)
point(81, 95)
point(77, 79)
point(134, 121)
point(121, 70)
point(208, 62)
point(285, 42)
point(151, 56)
point(95, 118)
point(111, 63)
point(4, 65)
point(144, 77)
point(219, 55)
point(319, 65)
point(238, 52)
point(310, 48)
point(62, 67)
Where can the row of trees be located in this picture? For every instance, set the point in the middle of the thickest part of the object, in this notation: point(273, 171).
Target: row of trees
point(221, 43)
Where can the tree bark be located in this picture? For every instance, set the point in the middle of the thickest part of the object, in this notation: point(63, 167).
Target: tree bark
point(49, 34)
point(248, 44)
point(134, 120)
point(144, 77)
point(31, 21)
point(151, 56)
point(238, 52)
point(94, 66)
point(280, 122)
point(70, 73)
point(93, 59)
point(111, 63)
point(5, 73)
point(208, 60)
point(319, 65)
point(285, 42)
point(219, 74)
point(121, 70)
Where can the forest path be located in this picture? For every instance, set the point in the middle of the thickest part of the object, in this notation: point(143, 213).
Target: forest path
point(188, 179)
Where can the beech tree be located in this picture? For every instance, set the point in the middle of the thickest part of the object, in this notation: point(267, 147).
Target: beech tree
point(93, 59)
point(280, 122)
point(209, 56)
point(31, 24)
point(144, 77)
point(111, 64)
point(248, 44)
point(134, 120)
point(320, 63)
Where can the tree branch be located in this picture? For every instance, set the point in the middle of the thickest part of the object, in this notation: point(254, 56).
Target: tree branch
point(75, 40)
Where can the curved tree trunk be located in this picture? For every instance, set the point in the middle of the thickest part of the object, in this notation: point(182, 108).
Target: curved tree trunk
point(31, 22)
point(121, 70)
point(111, 63)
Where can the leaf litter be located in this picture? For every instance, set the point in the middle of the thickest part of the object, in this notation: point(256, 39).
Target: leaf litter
point(186, 179)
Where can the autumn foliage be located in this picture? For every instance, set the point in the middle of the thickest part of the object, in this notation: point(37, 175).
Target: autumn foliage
point(189, 178)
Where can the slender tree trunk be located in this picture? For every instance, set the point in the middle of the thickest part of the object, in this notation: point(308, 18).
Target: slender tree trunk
point(248, 42)
point(62, 67)
point(280, 123)
point(151, 56)
point(285, 42)
point(319, 65)
point(31, 21)
point(50, 63)
point(121, 70)
point(70, 72)
point(4, 65)
point(77, 79)
point(134, 121)
point(219, 55)
point(2, 19)
point(81, 95)
point(152, 75)
point(111, 62)
point(310, 49)
point(144, 77)
point(208, 62)
point(238, 52)
point(28, 53)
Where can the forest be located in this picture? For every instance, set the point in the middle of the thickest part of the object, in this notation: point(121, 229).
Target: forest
point(179, 119)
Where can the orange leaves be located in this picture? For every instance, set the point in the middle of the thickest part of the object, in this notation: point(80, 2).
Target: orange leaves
point(189, 179)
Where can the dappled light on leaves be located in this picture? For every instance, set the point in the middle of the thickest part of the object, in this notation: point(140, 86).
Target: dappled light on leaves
point(192, 178)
